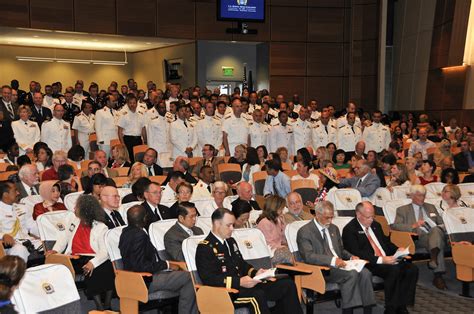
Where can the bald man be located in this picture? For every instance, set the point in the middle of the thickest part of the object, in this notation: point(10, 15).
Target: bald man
point(294, 203)
point(244, 191)
point(110, 201)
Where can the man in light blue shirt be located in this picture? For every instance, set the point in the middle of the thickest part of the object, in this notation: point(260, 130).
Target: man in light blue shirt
point(277, 183)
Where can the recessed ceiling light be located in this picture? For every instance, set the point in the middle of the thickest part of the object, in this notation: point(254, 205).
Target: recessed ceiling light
point(148, 43)
point(233, 41)
point(35, 36)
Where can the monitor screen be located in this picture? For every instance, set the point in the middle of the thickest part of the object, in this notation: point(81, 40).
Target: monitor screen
point(241, 10)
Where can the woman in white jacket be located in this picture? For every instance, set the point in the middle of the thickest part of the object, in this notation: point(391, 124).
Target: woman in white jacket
point(26, 132)
point(85, 237)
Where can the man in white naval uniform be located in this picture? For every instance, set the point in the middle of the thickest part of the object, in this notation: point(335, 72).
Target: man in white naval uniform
point(323, 131)
point(209, 129)
point(57, 132)
point(235, 128)
point(302, 129)
point(258, 130)
point(377, 136)
point(158, 133)
point(131, 126)
point(281, 134)
point(341, 121)
point(182, 135)
point(106, 124)
point(349, 134)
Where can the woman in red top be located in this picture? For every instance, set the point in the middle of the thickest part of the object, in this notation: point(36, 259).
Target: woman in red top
point(427, 168)
point(50, 192)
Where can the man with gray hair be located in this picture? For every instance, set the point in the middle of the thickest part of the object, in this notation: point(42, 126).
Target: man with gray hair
point(364, 180)
point(320, 243)
point(424, 220)
point(29, 181)
point(294, 203)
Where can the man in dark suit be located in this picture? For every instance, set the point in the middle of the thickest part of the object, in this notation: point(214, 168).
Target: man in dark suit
point(39, 114)
point(139, 255)
point(181, 164)
point(320, 243)
point(15, 85)
point(219, 263)
point(149, 159)
point(182, 229)
point(363, 236)
point(424, 220)
point(154, 210)
point(29, 181)
point(110, 201)
point(364, 180)
point(244, 191)
point(464, 161)
point(71, 109)
point(9, 109)
point(7, 137)
point(209, 159)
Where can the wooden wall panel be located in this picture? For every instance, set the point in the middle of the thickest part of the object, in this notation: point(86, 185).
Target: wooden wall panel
point(52, 14)
point(434, 96)
point(15, 13)
point(364, 57)
point(326, 24)
point(137, 17)
point(325, 59)
point(327, 3)
point(293, 3)
point(93, 16)
point(454, 84)
point(288, 59)
point(326, 90)
point(364, 91)
point(364, 20)
point(176, 18)
point(207, 27)
point(288, 24)
point(288, 85)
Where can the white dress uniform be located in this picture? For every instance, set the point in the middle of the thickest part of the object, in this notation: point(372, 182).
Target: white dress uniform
point(132, 123)
point(341, 121)
point(57, 134)
point(78, 98)
point(315, 115)
point(302, 133)
point(376, 137)
point(323, 134)
point(50, 102)
point(85, 126)
point(259, 134)
point(282, 136)
point(182, 136)
point(158, 135)
point(208, 131)
point(237, 130)
point(26, 133)
point(106, 128)
point(347, 137)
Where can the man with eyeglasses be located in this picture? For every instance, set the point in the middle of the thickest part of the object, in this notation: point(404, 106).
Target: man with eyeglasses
point(57, 132)
point(364, 237)
point(210, 159)
point(92, 168)
point(320, 243)
point(294, 202)
point(110, 201)
point(154, 210)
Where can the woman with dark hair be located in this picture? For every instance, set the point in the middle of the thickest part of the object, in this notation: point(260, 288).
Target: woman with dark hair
point(184, 192)
point(373, 158)
point(97, 183)
point(69, 183)
point(439, 135)
point(76, 154)
point(50, 191)
point(86, 235)
point(331, 147)
point(262, 153)
point(404, 128)
point(303, 154)
point(272, 225)
point(12, 270)
point(241, 212)
point(303, 169)
point(450, 176)
point(398, 176)
point(43, 156)
point(427, 169)
point(251, 166)
point(340, 160)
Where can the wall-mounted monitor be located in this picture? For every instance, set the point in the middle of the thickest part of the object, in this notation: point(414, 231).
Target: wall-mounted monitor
point(241, 10)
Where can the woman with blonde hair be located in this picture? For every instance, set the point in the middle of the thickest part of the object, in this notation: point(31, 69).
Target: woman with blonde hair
point(451, 197)
point(120, 157)
point(321, 154)
point(443, 151)
point(137, 171)
point(410, 164)
point(25, 131)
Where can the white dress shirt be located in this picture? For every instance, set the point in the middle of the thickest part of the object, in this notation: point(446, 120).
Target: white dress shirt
point(208, 131)
point(57, 134)
point(323, 229)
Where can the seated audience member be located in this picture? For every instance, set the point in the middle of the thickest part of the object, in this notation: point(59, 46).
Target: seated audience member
point(464, 161)
point(101, 157)
point(364, 180)
point(387, 162)
point(364, 237)
point(138, 189)
point(450, 176)
point(272, 225)
point(97, 182)
point(169, 192)
point(181, 164)
point(252, 165)
point(451, 197)
point(340, 160)
point(443, 151)
point(320, 243)
point(202, 189)
point(119, 157)
point(110, 202)
point(137, 171)
point(421, 145)
point(154, 210)
point(43, 156)
point(303, 168)
point(296, 212)
point(427, 169)
point(327, 180)
point(262, 153)
point(149, 160)
point(68, 181)
point(239, 157)
point(59, 158)
point(50, 191)
point(29, 181)
point(139, 255)
point(282, 152)
point(182, 229)
point(412, 171)
point(12, 154)
point(424, 220)
point(12, 270)
point(277, 183)
point(92, 168)
point(184, 192)
point(218, 193)
point(331, 149)
point(360, 149)
point(242, 214)
point(398, 176)
point(75, 155)
point(227, 268)
point(208, 159)
point(86, 235)
point(244, 193)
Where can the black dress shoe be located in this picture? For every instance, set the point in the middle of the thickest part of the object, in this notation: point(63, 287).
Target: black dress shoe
point(439, 283)
point(402, 310)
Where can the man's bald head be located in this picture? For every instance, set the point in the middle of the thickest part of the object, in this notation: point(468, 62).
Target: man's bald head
point(294, 203)
point(244, 190)
point(110, 198)
point(136, 216)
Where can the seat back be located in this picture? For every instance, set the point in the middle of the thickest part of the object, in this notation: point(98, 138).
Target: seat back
point(120, 181)
point(291, 231)
point(52, 224)
point(253, 246)
point(259, 178)
point(112, 239)
point(380, 197)
point(124, 208)
point(45, 288)
point(202, 205)
point(71, 199)
point(30, 201)
point(305, 188)
point(390, 209)
point(341, 222)
point(205, 223)
point(122, 171)
point(123, 192)
point(189, 251)
point(344, 201)
point(459, 224)
point(433, 190)
point(230, 173)
point(400, 192)
point(139, 151)
point(157, 179)
point(157, 231)
point(467, 189)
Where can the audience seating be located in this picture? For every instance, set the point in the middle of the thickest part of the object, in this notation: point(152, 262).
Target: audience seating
point(290, 173)
point(157, 179)
point(259, 178)
point(344, 201)
point(306, 188)
point(230, 172)
point(2, 250)
point(3, 166)
point(286, 166)
point(380, 197)
point(139, 151)
point(122, 171)
point(400, 192)
point(85, 164)
point(467, 189)
point(433, 190)
point(125, 207)
point(71, 199)
point(399, 238)
point(4, 175)
point(51, 225)
point(120, 181)
point(114, 142)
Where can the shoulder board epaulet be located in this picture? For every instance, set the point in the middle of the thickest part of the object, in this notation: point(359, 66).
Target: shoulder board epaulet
point(276, 124)
point(332, 125)
point(228, 117)
point(205, 242)
point(124, 112)
point(216, 118)
point(342, 126)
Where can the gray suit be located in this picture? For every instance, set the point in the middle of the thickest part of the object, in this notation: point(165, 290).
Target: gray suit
point(366, 188)
point(356, 288)
point(174, 238)
point(23, 192)
point(434, 238)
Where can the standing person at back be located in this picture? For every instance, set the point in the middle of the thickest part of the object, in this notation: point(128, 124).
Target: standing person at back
point(235, 128)
point(106, 124)
point(182, 134)
point(57, 132)
point(131, 126)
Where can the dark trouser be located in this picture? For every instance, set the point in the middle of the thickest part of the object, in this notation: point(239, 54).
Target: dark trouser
point(399, 283)
point(102, 278)
point(282, 291)
point(131, 141)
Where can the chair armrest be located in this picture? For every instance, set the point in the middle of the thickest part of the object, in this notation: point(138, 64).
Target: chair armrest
point(230, 290)
point(181, 265)
point(144, 274)
point(403, 239)
point(74, 256)
point(314, 281)
point(300, 270)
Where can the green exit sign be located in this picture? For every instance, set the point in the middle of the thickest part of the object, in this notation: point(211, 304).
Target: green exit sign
point(227, 71)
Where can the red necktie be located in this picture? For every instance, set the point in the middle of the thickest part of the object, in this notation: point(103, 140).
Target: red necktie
point(372, 243)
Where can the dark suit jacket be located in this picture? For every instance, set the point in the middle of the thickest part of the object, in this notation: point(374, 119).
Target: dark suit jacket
point(151, 217)
point(22, 191)
point(174, 238)
point(356, 242)
point(253, 204)
point(7, 114)
point(6, 137)
point(187, 177)
point(366, 188)
point(108, 221)
point(460, 162)
point(311, 247)
point(35, 116)
point(138, 254)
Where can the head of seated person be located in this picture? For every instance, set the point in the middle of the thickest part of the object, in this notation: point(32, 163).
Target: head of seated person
point(241, 212)
point(12, 270)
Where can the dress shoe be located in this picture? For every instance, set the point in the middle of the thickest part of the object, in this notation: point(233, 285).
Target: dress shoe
point(432, 265)
point(402, 310)
point(439, 283)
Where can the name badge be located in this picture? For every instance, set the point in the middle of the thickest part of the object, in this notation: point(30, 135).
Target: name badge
point(361, 232)
point(32, 125)
point(432, 215)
